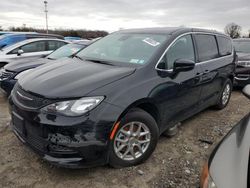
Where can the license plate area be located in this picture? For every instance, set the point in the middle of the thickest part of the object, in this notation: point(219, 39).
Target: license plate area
point(18, 123)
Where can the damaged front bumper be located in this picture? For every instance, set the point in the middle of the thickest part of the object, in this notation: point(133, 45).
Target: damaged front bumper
point(72, 142)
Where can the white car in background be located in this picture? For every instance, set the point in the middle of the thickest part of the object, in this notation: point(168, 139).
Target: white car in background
point(31, 48)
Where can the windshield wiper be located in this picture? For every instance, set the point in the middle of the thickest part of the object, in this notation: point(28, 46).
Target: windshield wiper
point(99, 61)
point(77, 57)
point(94, 60)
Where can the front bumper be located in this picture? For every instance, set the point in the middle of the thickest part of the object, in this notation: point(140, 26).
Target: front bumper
point(72, 142)
point(242, 76)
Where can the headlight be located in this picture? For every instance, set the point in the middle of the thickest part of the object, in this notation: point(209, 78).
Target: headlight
point(74, 107)
point(206, 179)
point(244, 63)
point(21, 74)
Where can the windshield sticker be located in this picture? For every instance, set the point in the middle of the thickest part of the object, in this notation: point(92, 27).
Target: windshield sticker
point(134, 61)
point(141, 62)
point(137, 61)
point(151, 42)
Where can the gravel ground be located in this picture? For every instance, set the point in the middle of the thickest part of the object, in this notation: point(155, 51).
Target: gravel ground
point(176, 162)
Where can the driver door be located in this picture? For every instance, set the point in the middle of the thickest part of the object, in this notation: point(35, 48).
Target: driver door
point(179, 95)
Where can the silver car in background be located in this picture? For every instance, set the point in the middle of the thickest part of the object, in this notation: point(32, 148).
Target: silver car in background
point(31, 48)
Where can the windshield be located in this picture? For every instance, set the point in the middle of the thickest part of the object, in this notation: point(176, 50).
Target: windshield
point(242, 46)
point(65, 51)
point(124, 48)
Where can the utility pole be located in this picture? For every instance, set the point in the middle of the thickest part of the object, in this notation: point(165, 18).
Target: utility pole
point(46, 15)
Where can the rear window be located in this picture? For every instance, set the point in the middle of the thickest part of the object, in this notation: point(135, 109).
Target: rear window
point(225, 46)
point(206, 47)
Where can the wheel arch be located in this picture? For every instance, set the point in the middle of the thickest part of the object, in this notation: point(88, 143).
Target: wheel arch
point(146, 105)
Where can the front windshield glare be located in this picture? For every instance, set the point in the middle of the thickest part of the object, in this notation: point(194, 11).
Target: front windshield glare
point(124, 48)
point(65, 51)
point(242, 46)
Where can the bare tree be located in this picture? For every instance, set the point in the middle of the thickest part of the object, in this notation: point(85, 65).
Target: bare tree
point(233, 30)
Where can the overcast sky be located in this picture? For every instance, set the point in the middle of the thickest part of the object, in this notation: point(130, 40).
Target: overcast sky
point(112, 15)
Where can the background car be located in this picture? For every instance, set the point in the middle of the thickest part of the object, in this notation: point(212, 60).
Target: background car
point(229, 163)
point(29, 49)
point(242, 73)
point(13, 71)
point(12, 38)
point(15, 32)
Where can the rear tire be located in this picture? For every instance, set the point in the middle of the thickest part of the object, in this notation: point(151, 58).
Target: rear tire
point(224, 95)
point(137, 135)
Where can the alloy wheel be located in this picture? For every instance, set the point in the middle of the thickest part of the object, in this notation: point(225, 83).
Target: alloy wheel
point(132, 141)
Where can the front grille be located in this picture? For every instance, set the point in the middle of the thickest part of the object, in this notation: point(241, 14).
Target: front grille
point(242, 76)
point(27, 100)
point(36, 142)
point(4, 74)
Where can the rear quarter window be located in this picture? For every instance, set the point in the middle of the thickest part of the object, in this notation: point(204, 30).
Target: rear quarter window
point(225, 46)
point(206, 47)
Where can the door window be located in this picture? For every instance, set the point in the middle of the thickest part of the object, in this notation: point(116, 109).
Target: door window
point(38, 46)
point(182, 49)
point(206, 47)
point(53, 45)
point(225, 46)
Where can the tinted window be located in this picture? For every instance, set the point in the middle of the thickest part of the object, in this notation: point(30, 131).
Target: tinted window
point(32, 47)
point(181, 49)
point(225, 46)
point(206, 47)
point(53, 45)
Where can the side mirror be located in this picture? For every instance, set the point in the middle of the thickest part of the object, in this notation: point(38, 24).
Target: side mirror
point(246, 91)
point(183, 65)
point(20, 52)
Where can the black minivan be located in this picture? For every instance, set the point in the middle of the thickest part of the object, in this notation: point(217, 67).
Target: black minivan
point(111, 102)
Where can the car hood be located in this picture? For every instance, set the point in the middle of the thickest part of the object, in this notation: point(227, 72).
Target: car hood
point(71, 78)
point(243, 56)
point(21, 65)
point(229, 163)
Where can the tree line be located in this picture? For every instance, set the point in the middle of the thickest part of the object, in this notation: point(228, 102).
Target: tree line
point(232, 29)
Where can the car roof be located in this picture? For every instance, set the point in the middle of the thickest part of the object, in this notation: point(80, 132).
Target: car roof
point(16, 32)
point(81, 42)
point(29, 41)
point(168, 30)
point(45, 35)
point(242, 39)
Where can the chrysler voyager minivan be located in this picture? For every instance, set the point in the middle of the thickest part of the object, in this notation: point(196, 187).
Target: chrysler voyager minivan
point(112, 101)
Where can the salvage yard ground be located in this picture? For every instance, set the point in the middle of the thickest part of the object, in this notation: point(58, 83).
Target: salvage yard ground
point(176, 161)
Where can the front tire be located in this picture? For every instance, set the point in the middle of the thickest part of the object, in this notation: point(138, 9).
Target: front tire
point(225, 95)
point(135, 139)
